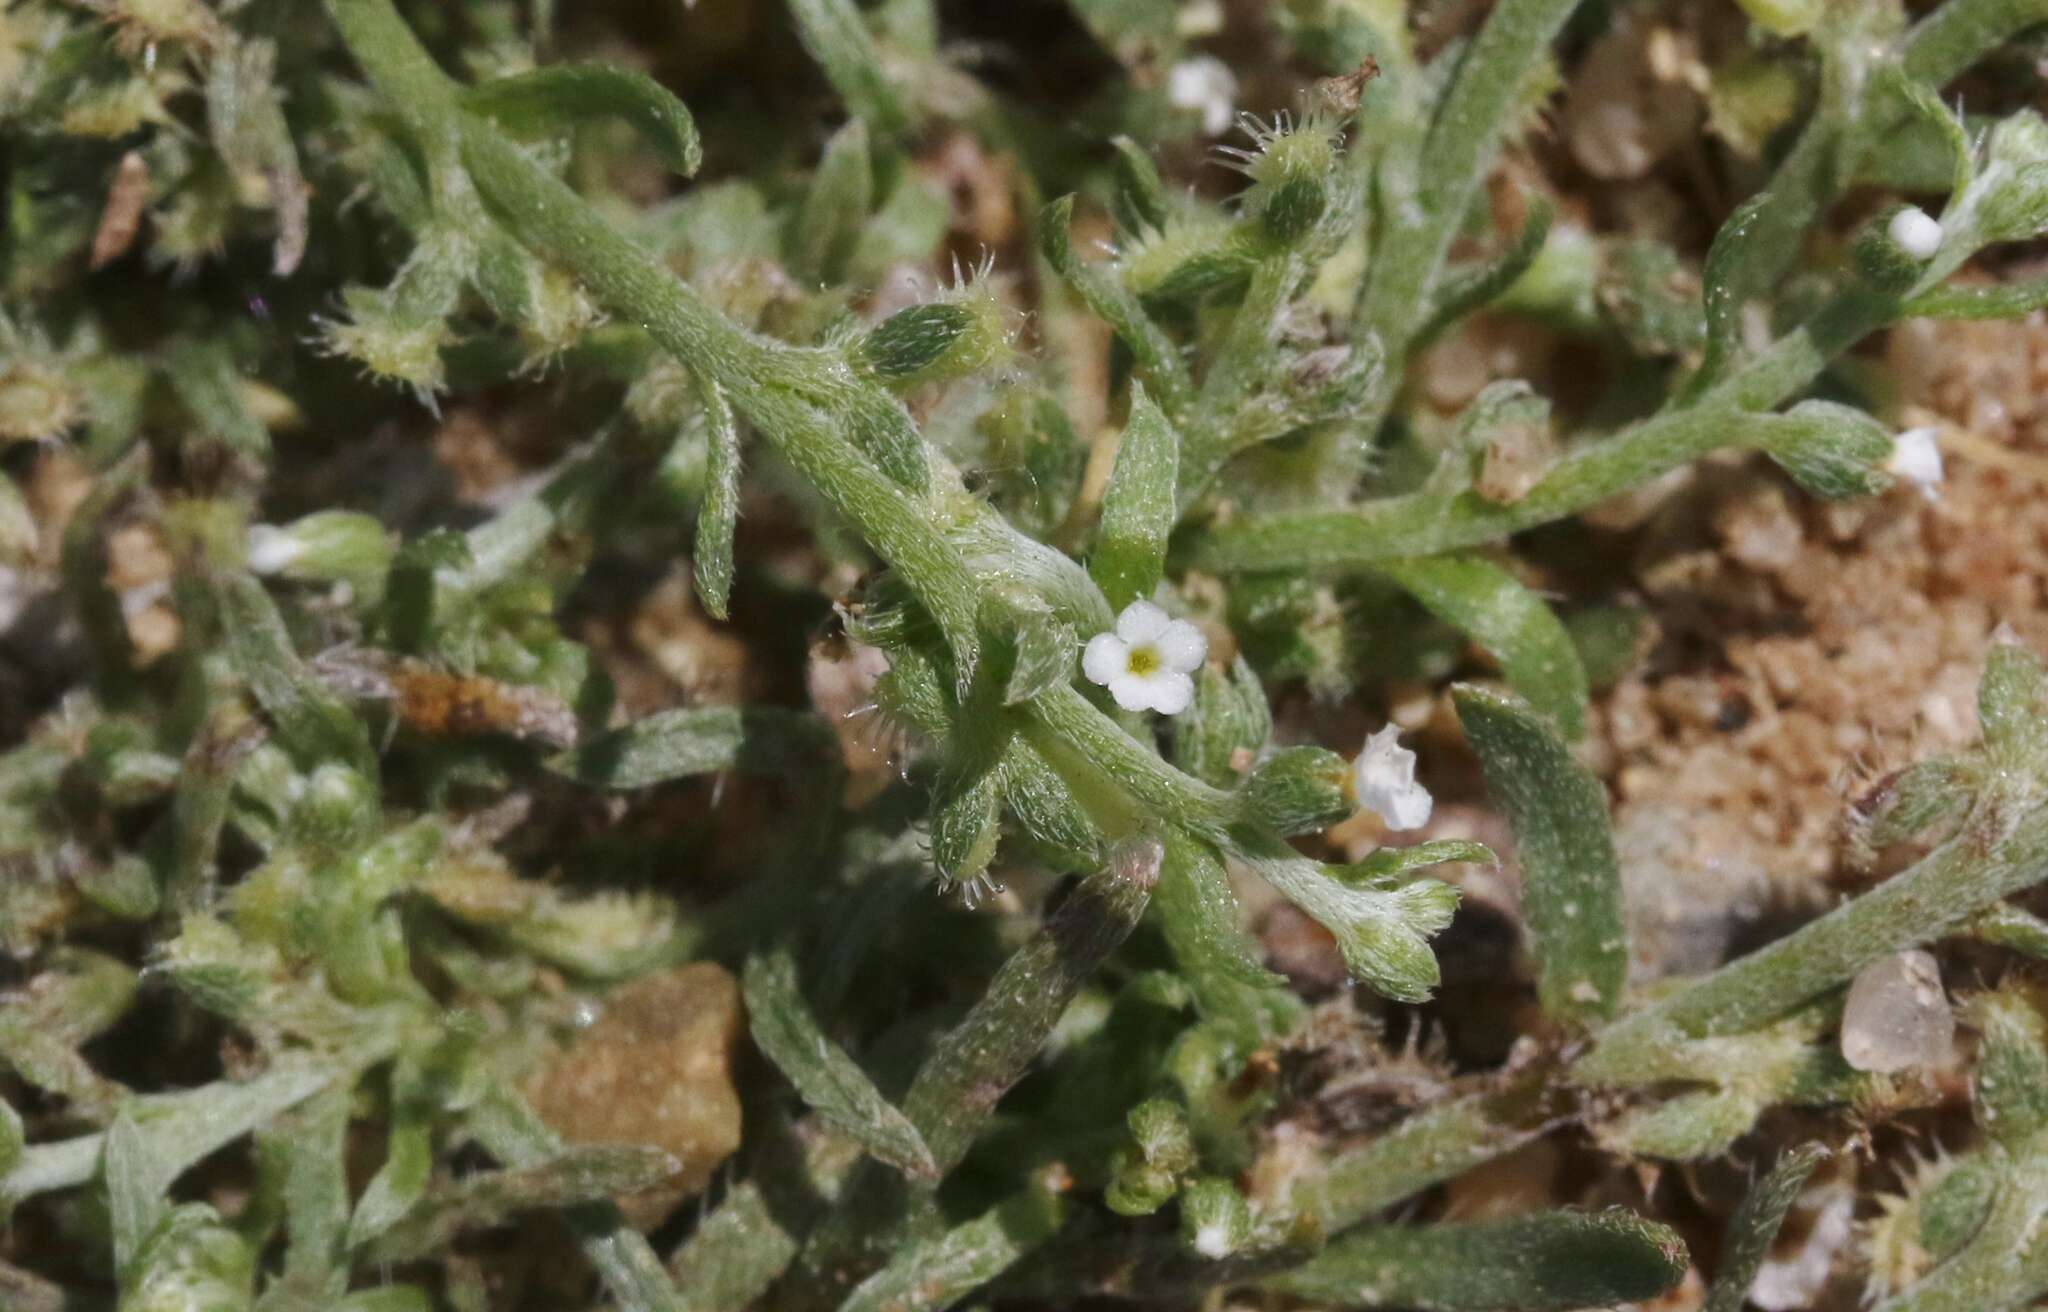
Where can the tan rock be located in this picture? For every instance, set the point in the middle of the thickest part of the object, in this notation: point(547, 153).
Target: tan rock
point(656, 1069)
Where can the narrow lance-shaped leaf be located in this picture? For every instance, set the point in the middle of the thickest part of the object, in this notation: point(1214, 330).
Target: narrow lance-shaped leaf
point(1755, 1225)
point(822, 1072)
point(719, 514)
point(1721, 293)
point(835, 35)
point(568, 1178)
point(938, 1272)
point(555, 98)
point(193, 1123)
point(510, 1131)
point(1153, 350)
point(2012, 707)
point(311, 1142)
point(1137, 506)
point(1140, 195)
point(1474, 115)
point(838, 202)
point(1928, 106)
point(977, 1061)
point(245, 118)
point(312, 723)
point(966, 813)
point(204, 378)
point(41, 1028)
point(1571, 885)
point(1548, 1262)
point(734, 1254)
point(400, 1182)
point(136, 1173)
point(1214, 952)
point(1509, 622)
point(682, 743)
point(1467, 289)
point(200, 807)
point(884, 432)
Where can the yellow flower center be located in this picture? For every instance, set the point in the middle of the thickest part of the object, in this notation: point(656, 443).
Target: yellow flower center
point(1143, 660)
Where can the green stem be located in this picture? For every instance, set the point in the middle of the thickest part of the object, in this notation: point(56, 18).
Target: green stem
point(1942, 45)
point(1460, 146)
point(1436, 1145)
point(763, 378)
point(1425, 523)
point(1947, 889)
point(1088, 749)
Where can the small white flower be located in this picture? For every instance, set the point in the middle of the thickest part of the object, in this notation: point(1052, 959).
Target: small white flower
point(1917, 459)
point(1913, 232)
point(1145, 664)
point(272, 550)
point(1384, 775)
point(1206, 84)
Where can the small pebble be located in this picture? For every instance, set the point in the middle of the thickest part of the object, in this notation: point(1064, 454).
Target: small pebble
point(1897, 1017)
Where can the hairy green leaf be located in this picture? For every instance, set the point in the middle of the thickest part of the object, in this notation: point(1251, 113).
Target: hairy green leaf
point(1508, 622)
point(1571, 885)
point(558, 97)
point(1138, 506)
point(828, 1079)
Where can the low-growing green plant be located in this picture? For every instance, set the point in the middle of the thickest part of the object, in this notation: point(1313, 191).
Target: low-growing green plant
point(291, 948)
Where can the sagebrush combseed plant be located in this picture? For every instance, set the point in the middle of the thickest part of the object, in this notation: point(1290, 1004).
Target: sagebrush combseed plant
point(1015, 868)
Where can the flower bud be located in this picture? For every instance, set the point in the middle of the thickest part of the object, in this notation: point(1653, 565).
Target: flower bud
point(1215, 1219)
point(1300, 790)
point(325, 546)
point(1913, 232)
point(337, 809)
point(2011, 1086)
point(37, 403)
point(1291, 172)
point(1159, 1130)
point(949, 338)
point(1138, 1187)
point(558, 312)
point(1886, 251)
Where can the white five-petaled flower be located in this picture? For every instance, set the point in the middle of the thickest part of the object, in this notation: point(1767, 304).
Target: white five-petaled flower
point(1384, 775)
point(1916, 458)
point(1146, 662)
point(1913, 232)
